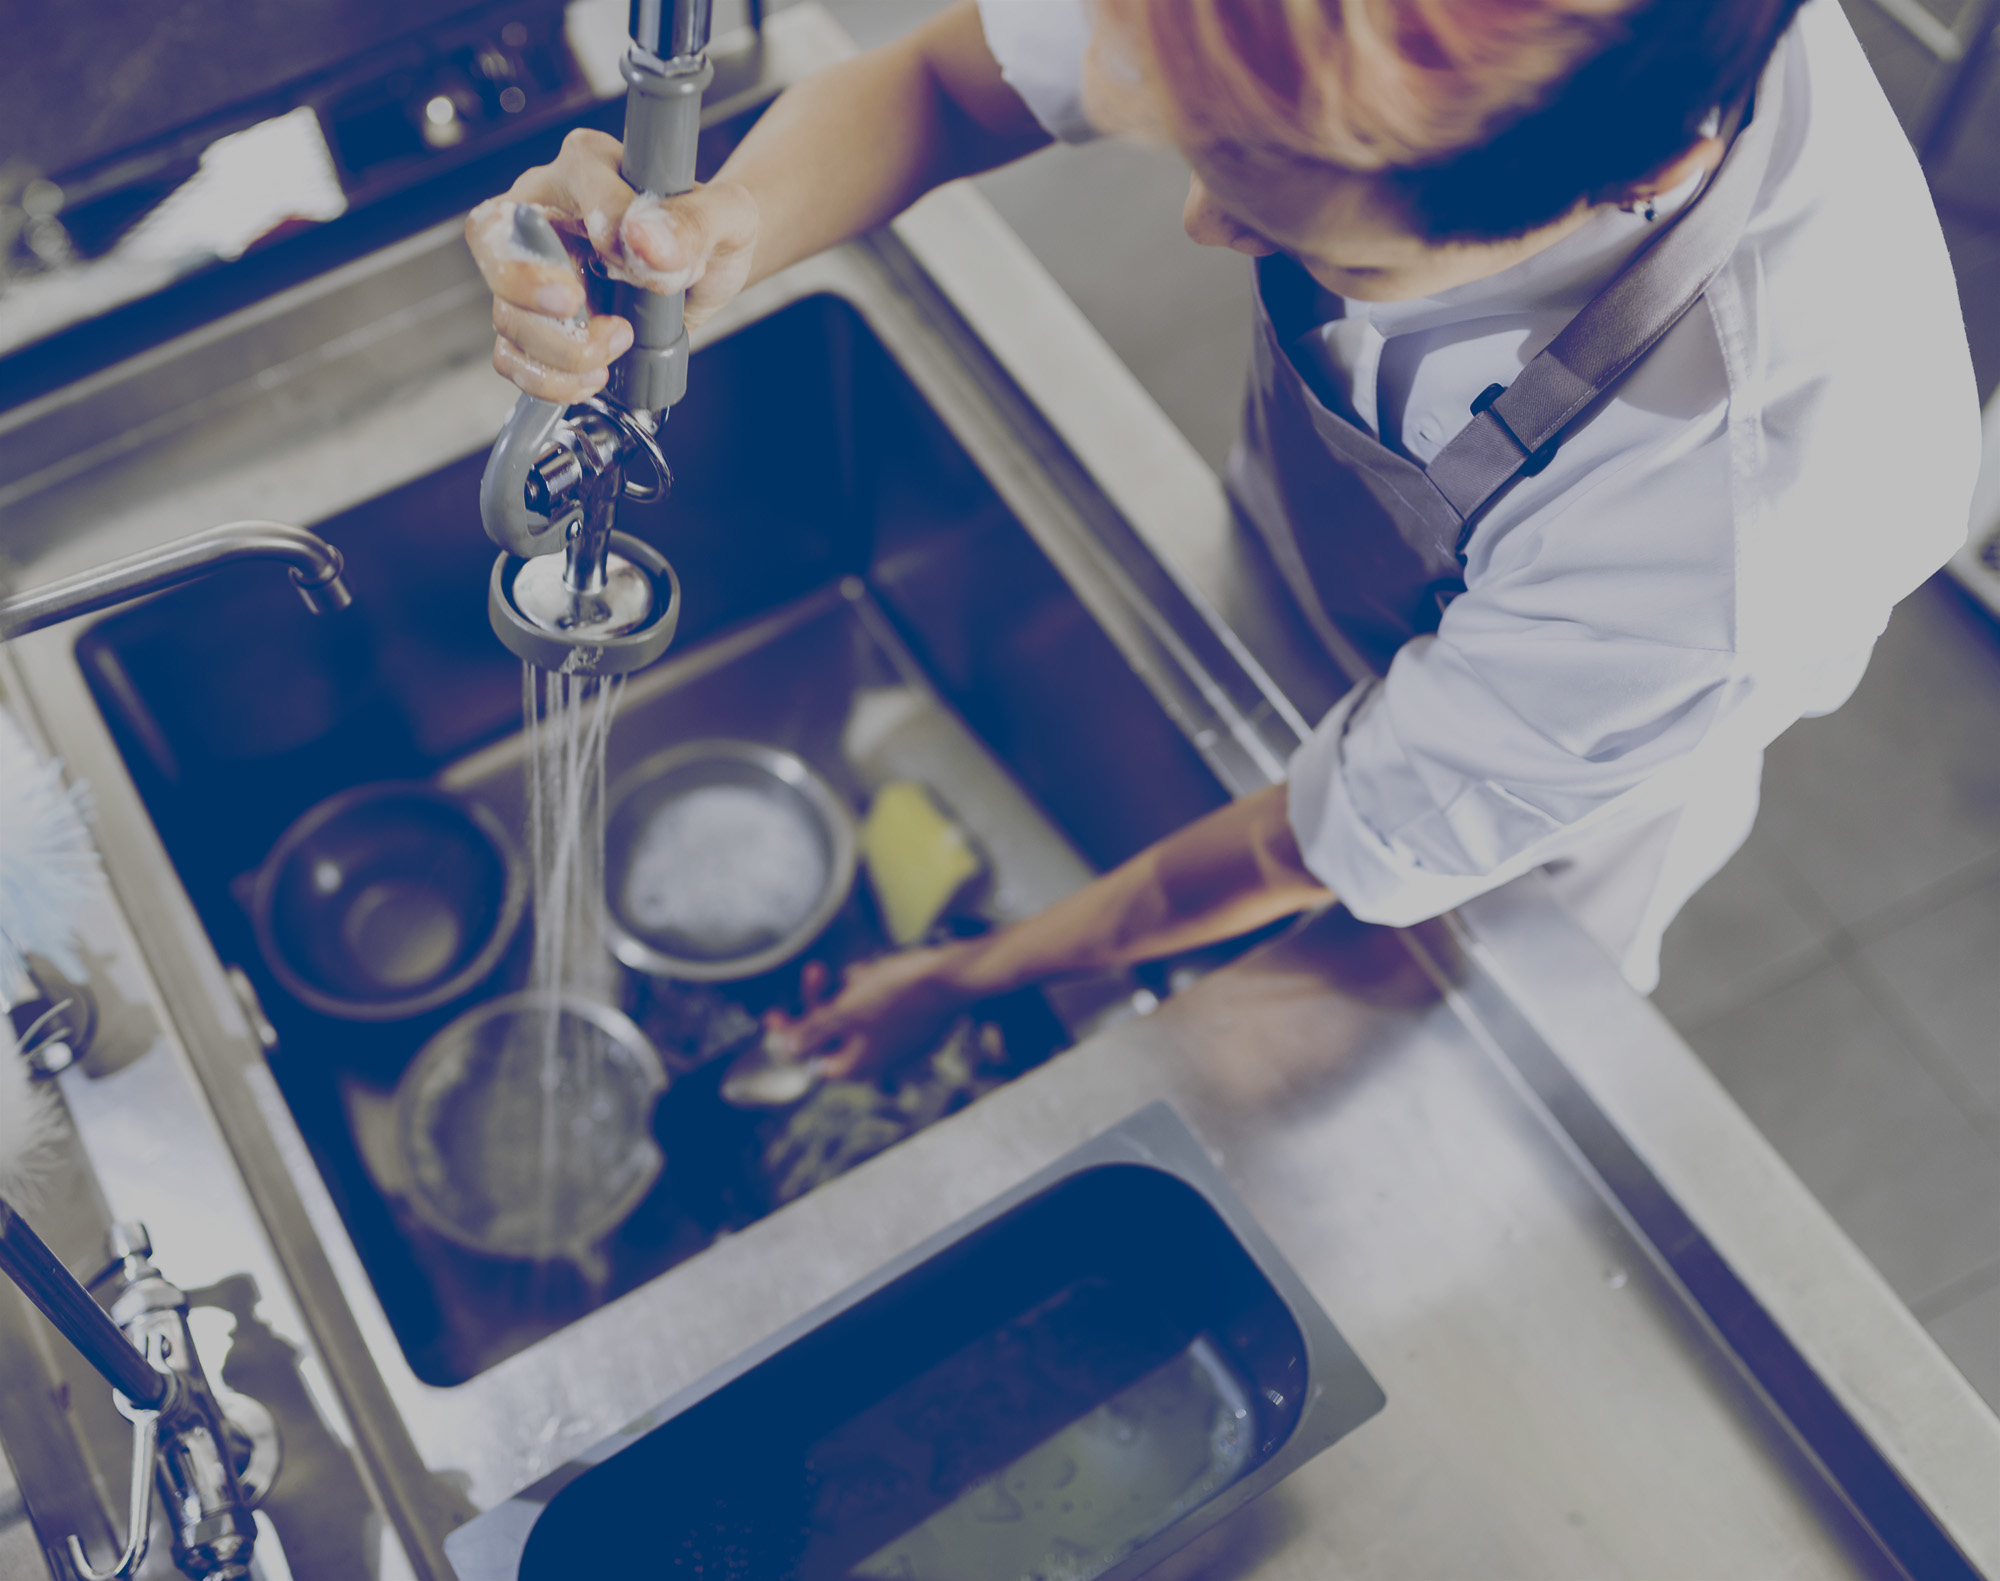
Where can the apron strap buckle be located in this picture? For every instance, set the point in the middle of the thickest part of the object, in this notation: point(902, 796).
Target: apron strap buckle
point(1538, 460)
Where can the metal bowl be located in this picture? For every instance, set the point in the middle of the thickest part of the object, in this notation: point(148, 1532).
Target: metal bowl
point(723, 860)
point(525, 1127)
point(388, 901)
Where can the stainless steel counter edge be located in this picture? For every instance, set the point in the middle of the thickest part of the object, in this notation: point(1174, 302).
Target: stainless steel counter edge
point(1852, 1329)
point(1929, 1423)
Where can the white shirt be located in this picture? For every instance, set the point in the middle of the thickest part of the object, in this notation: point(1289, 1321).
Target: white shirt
point(1709, 559)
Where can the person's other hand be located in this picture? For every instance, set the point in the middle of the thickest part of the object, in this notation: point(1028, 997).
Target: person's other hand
point(887, 1010)
point(700, 243)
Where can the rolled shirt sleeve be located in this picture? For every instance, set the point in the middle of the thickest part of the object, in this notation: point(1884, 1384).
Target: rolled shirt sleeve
point(1040, 46)
point(1710, 558)
point(1574, 686)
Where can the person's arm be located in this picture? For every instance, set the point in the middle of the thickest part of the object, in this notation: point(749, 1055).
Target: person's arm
point(845, 150)
point(1223, 875)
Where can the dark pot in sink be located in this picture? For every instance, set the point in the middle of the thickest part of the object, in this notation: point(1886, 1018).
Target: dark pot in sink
point(1073, 1381)
point(388, 901)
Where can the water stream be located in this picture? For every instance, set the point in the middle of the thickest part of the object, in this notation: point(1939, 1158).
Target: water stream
point(568, 721)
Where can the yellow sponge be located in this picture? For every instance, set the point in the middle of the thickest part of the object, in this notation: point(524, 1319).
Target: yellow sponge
point(917, 859)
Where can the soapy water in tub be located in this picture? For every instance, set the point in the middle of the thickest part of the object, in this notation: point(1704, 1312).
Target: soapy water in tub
point(1048, 1449)
point(723, 870)
point(1080, 1501)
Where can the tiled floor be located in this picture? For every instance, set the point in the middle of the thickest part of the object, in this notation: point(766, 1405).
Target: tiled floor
point(1842, 974)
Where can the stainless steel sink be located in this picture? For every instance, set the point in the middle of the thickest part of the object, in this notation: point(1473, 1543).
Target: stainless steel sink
point(834, 540)
point(863, 495)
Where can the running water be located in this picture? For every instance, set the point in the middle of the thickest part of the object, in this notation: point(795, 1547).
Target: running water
point(568, 719)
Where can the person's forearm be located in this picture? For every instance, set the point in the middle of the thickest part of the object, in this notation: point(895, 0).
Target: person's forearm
point(1224, 875)
point(852, 146)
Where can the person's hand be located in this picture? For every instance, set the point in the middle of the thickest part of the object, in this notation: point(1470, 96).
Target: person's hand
point(886, 1011)
point(700, 243)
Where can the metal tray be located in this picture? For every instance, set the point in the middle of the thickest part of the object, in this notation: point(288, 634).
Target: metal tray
point(822, 1451)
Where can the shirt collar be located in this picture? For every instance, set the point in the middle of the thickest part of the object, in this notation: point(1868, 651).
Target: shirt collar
point(1562, 277)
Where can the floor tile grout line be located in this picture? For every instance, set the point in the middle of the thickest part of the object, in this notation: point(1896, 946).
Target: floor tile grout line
point(1770, 978)
point(1791, 883)
point(1843, 945)
point(1956, 1292)
point(1954, 886)
point(1840, 951)
point(1916, 1044)
point(1922, 1047)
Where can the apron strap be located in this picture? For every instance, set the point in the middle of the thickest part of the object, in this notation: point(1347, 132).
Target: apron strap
point(1515, 430)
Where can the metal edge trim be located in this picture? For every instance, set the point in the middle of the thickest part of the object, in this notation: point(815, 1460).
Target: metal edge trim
point(1779, 1377)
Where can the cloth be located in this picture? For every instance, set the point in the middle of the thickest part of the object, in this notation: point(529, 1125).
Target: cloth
point(1709, 559)
point(1040, 45)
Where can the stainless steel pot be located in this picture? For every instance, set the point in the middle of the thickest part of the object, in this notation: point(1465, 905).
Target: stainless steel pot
point(723, 860)
point(388, 901)
point(525, 1128)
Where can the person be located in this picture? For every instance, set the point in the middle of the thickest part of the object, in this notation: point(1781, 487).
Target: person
point(1608, 388)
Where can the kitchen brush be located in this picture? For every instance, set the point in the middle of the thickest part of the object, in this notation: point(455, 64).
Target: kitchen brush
point(48, 873)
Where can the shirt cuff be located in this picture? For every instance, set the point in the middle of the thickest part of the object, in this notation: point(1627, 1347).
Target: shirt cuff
point(1040, 45)
point(1373, 880)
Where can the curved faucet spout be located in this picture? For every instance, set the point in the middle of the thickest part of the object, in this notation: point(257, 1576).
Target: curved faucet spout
point(314, 564)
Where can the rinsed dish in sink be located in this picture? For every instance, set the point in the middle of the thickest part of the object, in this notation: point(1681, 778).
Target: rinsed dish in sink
point(525, 1126)
point(723, 860)
point(1073, 1381)
point(387, 901)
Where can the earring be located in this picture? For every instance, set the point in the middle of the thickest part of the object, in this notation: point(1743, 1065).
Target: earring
point(1643, 208)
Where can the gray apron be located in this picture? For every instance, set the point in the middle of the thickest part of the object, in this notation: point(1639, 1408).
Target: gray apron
point(1373, 544)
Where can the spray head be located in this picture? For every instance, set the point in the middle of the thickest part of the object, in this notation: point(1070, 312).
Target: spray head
point(555, 476)
point(622, 626)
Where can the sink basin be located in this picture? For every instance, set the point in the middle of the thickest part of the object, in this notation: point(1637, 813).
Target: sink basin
point(835, 543)
point(1072, 1381)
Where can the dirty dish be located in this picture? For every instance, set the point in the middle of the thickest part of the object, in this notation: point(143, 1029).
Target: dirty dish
point(387, 901)
point(724, 859)
point(526, 1127)
point(760, 1078)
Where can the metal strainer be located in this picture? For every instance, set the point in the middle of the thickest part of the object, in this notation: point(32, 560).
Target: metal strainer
point(526, 1127)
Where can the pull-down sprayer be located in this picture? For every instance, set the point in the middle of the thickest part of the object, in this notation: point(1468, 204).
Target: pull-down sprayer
point(553, 482)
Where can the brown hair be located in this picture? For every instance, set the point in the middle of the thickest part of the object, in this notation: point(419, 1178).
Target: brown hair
point(1491, 117)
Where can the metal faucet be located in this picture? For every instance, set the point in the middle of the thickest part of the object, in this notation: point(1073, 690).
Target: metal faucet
point(556, 474)
point(315, 567)
point(209, 1470)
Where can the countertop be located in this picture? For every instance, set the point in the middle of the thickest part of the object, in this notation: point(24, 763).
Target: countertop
point(1452, 1135)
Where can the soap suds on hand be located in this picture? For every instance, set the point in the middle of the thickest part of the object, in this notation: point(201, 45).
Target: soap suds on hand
point(650, 209)
point(494, 224)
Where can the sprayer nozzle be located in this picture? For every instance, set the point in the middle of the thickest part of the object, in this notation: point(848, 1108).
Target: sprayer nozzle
point(624, 603)
point(622, 626)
